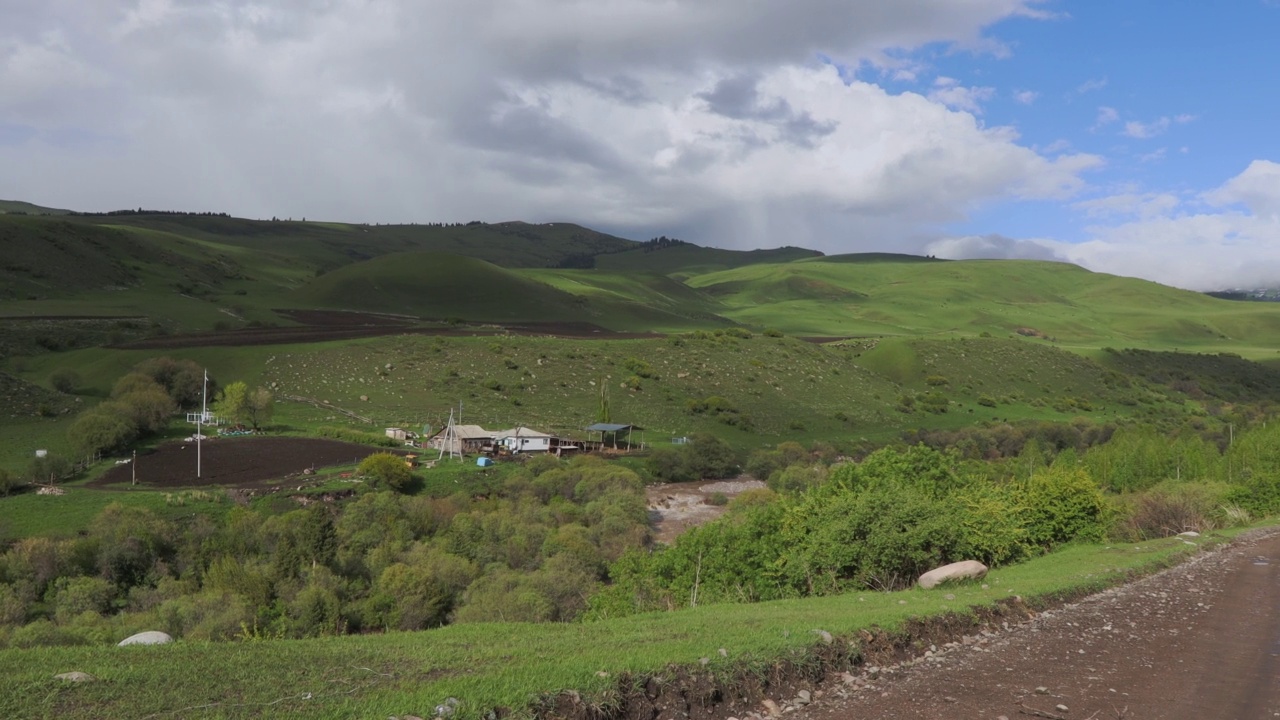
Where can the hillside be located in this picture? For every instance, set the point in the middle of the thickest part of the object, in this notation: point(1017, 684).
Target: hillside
point(1039, 299)
point(25, 208)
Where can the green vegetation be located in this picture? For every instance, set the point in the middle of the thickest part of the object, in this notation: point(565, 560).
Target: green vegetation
point(1015, 435)
point(398, 673)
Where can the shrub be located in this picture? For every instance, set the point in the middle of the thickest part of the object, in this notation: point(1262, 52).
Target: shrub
point(1167, 512)
point(65, 380)
point(8, 482)
point(1063, 504)
point(986, 401)
point(385, 470)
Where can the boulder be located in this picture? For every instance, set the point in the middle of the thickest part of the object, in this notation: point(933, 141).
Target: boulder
point(75, 676)
point(962, 570)
point(150, 637)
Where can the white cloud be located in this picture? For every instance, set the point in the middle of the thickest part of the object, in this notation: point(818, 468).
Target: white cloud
point(1025, 97)
point(1257, 188)
point(1091, 85)
point(991, 247)
point(1144, 205)
point(707, 116)
point(1209, 248)
point(951, 93)
point(1143, 131)
point(1106, 116)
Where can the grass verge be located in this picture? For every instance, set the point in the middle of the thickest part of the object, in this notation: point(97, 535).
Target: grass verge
point(515, 666)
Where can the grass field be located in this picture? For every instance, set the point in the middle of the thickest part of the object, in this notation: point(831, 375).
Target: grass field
point(501, 665)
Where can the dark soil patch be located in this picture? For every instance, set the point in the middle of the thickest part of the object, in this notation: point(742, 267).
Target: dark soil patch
point(345, 318)
point(234, 462)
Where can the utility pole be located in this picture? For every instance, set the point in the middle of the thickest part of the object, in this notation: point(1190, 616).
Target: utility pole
point(134, 463)
point(204, 408)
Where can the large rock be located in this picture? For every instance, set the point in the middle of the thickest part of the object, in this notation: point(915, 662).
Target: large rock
point(962, 570)
point(75, 676)
point(150, 637)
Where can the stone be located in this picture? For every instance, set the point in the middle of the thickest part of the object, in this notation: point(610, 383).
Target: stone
point(1062, 708)
point(804, 697)
point(1189, 533)
point(826, 636)
point(1042, 690)
point(75, 676)
point(771, 707)
point(962, 570)
point(150, 637)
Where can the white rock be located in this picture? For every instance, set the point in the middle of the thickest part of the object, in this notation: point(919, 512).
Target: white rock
point(150, 637)
point(75, 676)
point(962, 570)
point(1189, 533)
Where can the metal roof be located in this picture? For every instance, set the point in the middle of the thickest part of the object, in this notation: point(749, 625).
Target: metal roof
point(610, 427)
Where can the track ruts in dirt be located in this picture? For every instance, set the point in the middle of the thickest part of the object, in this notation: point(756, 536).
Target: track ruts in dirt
point(1200, 640)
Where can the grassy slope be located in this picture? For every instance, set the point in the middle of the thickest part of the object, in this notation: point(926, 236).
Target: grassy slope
point(1062, 301)
point(411, 673)
point(682, 261)
point(18, 206)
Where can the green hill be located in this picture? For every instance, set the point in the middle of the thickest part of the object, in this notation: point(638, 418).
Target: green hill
point(1039, 299)
point(685, 260)
point(26, 208)
point(439, 286)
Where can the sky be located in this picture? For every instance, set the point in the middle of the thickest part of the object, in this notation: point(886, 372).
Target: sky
point(1133, 137)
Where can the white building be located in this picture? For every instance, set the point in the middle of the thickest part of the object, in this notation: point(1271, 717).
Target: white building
point(522, 439)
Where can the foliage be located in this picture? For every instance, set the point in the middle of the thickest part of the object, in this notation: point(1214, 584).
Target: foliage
point(65, 380)
point(385, 470)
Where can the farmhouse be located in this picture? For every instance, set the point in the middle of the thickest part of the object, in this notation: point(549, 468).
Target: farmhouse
point(522, 439)
point(466, 439)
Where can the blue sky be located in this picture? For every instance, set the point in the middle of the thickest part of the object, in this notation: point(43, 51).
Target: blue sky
point(1208, 64)
point(1130, 137)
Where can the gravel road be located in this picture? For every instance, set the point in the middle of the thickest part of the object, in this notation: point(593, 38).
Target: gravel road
point(1201, 640)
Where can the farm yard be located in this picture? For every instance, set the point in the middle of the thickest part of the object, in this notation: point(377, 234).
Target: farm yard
point(233, 462)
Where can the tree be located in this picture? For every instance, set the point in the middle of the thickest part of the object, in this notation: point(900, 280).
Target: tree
point(231, 401)
point(237, 402)
point(101, 430)
point(150, 409)
point(385, 470)
point(259, 407)
point(65, 380)
point(8, 482)
point(48, 469)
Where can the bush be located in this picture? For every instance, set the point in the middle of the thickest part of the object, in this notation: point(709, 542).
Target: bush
point(1167, 512)
point(385, 470)
point(1063, 504)
point(65, 380)
point(8, 482)
point(356, 436)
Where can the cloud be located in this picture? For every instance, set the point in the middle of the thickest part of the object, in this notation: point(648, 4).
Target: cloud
point(707, 116)
point(1106, 116)
point(1089, 86)
point(1144, 131)
point(1144, 205)
point(991, 247)
point(1025, 97)
point(1205, 244)
point(1257, 188)
point(949, 92)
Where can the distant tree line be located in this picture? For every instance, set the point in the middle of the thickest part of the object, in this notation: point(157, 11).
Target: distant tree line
point(141, 211)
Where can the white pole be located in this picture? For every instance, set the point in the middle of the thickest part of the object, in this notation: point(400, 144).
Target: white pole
point(204, 405)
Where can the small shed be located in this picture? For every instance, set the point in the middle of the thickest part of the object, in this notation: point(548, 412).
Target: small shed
point(397, 434)
point(613, 435)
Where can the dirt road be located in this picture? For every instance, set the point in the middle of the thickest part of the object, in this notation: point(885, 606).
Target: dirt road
point(1198, 641)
